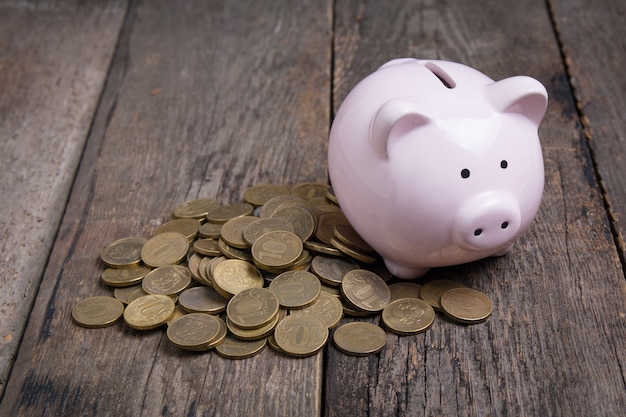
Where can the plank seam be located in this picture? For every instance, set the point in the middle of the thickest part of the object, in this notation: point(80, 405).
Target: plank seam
point(44, 331)
point(331, 89)
point(588, 137)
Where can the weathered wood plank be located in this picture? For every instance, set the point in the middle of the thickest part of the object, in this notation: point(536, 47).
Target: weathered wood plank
point(554, 344)
point(54, 58)
point(204, 99)
point(593, 37)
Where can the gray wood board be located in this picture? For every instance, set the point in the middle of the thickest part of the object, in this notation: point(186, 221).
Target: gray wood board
point(593, 38)
point(203, 100)
point(207, 98)
point(54, 58)
point(554, 344)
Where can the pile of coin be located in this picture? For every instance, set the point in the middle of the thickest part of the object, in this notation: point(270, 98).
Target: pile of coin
point(283, 263)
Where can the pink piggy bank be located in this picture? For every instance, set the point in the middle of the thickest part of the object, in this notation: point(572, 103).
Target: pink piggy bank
point(435, 164)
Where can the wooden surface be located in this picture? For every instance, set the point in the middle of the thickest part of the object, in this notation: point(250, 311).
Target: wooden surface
point(54, 59)
point(176, 101)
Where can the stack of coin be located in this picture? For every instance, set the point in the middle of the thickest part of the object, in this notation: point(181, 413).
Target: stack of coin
point(252, 314)
point(237, 277)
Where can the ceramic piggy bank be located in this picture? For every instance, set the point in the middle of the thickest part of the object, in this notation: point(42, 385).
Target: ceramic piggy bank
point(435, 164)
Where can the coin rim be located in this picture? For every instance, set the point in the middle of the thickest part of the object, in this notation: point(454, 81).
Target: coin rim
point(100, 324)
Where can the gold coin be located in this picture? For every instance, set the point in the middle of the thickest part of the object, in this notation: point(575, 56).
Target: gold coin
point(178, 313)
point(260, 194)
point(126, 277)
point(320, 208)
point(234, 253)
point(195, 209)
point(296, 289)
point(301, 335)
point(368, 259)
point(233, 348)
point(330, 196)
point(303, 262)
point(221, 214)
point(466, 305)
point(327, 307)
point(232, 231)
point(221, 335)
point(203, 271)
point(302, 221)
point(277, 249)
point(194, 331)
point(271, 341)
point(346, 234)
point(252, 334)
point(365, 290)
point(331, 270)
point(123, 252)
point(326, 225)
point(322, 248)
point(252, 308)
point(334, 291)
point(353, 312)
point(167, 248)
point(273, 204)
point(149, 312)
point(232, 276)
point(210, 230)
point(408, 316)
point(167, 280)
point(213, 264)
point(310, 190)
point(97, 312)
point(359, 338)
point(187, 227)
point(202, 300)
point(207, 247)
point(433, 290)
point(128, 294)
point(262, 226)
point(405, 290)
point(193, 263)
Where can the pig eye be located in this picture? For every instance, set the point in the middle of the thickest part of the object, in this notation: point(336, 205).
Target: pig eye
point(504, 164)
point(465, 173)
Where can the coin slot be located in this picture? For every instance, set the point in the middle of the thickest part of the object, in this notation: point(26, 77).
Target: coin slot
point(443, 76)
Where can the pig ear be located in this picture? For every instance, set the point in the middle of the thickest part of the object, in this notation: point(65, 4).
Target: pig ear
point(522, 95)
point(394, 119)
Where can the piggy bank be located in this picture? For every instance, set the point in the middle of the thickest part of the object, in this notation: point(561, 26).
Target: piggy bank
point(436, 164)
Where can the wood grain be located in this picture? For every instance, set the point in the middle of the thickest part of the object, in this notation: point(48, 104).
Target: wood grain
point(202, 100)
point(205, 98)
point(555, 332)
point(54, 59)
point(593, 38)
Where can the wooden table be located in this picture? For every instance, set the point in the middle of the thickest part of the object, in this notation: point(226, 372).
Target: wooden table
point(112, 113)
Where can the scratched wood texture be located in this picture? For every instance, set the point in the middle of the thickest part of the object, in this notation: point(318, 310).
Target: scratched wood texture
point(558, 326)
point(208, 98)
point(594, 42)
point(54, 59)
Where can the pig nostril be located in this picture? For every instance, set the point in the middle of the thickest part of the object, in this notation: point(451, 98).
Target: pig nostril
point(478, 232)
point(504, 225)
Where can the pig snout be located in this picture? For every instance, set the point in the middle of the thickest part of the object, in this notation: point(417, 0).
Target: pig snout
point(487, 222)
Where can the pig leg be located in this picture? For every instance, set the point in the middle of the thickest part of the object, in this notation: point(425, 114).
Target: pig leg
point(405, 272)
